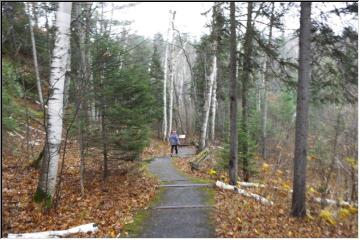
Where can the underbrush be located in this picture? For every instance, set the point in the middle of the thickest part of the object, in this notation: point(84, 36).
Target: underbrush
point(237, 216)
point(110, 204)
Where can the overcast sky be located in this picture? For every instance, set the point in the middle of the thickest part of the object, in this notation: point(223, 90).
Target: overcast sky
point(153, 17)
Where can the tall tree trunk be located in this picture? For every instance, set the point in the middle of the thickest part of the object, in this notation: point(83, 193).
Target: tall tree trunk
point(210, 99)
point(166, 69)
point(233, 162)
point(172, 85)
point(298, 207)
point(264, 86)
point(213, 111)
point(171, 92)
point(82, 12)
point(244, 92)
point(38, 82)
point(48, 176)
point(207, 102)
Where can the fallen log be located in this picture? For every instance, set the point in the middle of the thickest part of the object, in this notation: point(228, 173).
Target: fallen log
point(249, 184)
point(91, 227)
point(331, 202)
point(244, 193)
point(315, 199)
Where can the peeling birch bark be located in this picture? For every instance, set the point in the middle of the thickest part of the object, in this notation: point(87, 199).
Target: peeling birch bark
point(166, 69)
point(48, 176)
point(213, 111)
point(206, 107)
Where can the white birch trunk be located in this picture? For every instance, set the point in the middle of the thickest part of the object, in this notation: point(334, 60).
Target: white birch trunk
point(244, 193)
point(213, 110)
point(171, 93)
point(206, 108)
point(38, 82)
point(91, 227)
point(166, 69)
point(48, 176)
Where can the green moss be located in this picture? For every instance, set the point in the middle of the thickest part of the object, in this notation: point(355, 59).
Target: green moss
point(43, 197)
point(209, 195)
point(134, 228)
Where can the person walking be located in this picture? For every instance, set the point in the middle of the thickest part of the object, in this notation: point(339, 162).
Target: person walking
point(174, 141)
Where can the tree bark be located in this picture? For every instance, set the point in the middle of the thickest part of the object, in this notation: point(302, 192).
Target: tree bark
point(166, 69)
point(82, 83)
point(209, 98)
point(298, 207)
point(48, 176)
point(174, 61)
point(244, 92)
point(233, 162)
point(36, 66)
point(213, 111)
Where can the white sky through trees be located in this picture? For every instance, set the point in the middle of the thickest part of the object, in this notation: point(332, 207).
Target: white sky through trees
point(149, 18)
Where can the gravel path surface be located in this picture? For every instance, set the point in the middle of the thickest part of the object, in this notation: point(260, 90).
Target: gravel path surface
point(182, 211)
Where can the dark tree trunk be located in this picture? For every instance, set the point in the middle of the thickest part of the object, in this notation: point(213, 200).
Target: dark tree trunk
point(233, 163)
point(298, 207)
point(244, 92)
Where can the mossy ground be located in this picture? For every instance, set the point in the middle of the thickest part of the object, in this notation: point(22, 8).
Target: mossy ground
point(42, 197)
point(133, 229)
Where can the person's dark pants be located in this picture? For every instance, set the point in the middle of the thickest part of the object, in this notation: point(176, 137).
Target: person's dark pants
point(172, 149)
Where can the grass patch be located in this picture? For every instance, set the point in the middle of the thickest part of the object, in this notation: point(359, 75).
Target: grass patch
point(133, 229)
point(209, 195)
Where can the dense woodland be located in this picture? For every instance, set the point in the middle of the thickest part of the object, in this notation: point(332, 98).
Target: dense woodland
point(86, 101)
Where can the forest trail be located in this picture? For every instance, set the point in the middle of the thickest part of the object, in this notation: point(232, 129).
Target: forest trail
point(181, 211)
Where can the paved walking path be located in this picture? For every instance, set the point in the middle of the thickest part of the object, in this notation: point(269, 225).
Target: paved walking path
point(182, 210)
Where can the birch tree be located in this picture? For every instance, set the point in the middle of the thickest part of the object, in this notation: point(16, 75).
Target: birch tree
point(36, 66)
point(208, 96)
point(172, 76)
point(233, 161)
point(166, 69)
point(48, 175)
point(216, 33)
point(298, 207)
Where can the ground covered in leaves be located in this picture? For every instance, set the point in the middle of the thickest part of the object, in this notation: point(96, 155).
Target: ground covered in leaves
point(111, 204)
point(237, 216)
